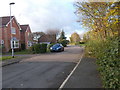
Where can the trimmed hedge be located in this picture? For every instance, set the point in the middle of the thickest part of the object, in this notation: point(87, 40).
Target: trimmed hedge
point(43, 48)
point(108, 60)
point(39, 48)
point(36, 48)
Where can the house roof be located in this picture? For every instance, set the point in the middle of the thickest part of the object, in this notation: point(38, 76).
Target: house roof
point(6, 20)
point(24, 27)
point(47, 38)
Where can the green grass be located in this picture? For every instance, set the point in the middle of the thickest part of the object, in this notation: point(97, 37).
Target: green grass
point(18, 52)
point(6, 57)
point(82, 44)
point(23, 52)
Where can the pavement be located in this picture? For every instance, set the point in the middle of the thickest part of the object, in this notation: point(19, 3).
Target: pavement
point(50, 71)
point(85, 75)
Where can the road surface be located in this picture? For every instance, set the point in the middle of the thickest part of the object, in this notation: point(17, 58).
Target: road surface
point(41, 71)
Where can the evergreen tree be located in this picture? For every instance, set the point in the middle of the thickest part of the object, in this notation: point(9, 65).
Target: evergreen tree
point(62, 36)
point(62, 39)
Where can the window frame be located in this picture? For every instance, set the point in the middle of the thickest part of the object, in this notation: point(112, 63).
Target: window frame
point(13, 31)
point(16, 45)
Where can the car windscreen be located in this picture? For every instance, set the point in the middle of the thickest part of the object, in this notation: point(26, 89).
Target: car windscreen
point(56, 45)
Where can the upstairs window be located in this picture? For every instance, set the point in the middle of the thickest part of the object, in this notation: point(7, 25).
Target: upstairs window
point(28, 34)
point(13, 31)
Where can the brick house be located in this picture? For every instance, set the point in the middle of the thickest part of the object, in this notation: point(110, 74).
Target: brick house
point(26, 38)
point(47, 38)
point(6, 35)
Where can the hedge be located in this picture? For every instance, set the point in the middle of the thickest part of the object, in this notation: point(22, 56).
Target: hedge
point(39, 48)
point(108, 61)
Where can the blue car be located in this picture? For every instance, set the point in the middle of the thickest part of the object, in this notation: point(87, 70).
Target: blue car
point(57, 47)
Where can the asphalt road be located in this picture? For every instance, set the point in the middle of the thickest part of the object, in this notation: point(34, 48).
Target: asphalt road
point(41, 71)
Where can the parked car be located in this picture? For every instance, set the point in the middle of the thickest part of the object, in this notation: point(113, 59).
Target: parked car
point(57, 47)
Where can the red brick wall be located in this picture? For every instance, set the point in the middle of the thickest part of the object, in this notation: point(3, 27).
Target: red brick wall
point(22, 34)
point(27, 37)
point(6, 35)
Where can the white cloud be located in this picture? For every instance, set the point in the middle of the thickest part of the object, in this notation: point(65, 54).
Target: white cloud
point(43, 14)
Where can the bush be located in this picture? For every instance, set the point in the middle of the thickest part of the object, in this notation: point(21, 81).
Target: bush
point(30, 49)
point(43, 48)
point(106, 53)
point(23, 46)
point(77, 43)
point(64, 42)
point(38, 48)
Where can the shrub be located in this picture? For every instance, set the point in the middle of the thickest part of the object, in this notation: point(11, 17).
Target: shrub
point(31, 49)
point(64, 42)
point(106, 53)
point(76, 43)
point(43, 48)
point(38, 48)
point(23, 46)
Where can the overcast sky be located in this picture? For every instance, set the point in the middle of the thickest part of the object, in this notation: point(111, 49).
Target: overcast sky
point(44, 14)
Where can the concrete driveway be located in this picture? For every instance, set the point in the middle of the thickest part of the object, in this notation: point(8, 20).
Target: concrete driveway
point(41, 71)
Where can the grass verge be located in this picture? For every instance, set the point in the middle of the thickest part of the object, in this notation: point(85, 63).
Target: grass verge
point(6, 58)
point(19, 52)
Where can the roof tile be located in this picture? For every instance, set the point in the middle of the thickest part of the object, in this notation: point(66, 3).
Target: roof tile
point(5, 20)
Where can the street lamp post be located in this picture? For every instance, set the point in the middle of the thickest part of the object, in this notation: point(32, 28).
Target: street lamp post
point(11, 30)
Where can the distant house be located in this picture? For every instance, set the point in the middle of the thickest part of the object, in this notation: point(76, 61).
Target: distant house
point(7, 35)
point(26, 38)
point(47, 38)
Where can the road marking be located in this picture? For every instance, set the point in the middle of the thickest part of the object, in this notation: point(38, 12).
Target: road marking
point(62, 85)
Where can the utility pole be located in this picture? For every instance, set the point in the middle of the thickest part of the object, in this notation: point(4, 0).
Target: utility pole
point(11, 30)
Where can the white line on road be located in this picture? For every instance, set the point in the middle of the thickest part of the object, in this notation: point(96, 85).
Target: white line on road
point(62, 85)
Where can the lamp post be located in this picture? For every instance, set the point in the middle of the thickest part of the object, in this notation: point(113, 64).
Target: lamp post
point(11, 30)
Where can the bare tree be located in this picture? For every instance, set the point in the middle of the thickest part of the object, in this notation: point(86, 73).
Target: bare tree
point(53, 31)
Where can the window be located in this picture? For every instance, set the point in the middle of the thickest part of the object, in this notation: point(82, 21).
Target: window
point(28, 34)
point(2, 43)
point(15, 44)
point(13, 31)
point(29, 44)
